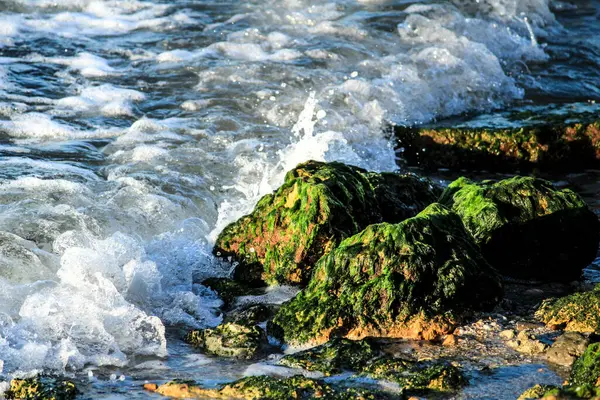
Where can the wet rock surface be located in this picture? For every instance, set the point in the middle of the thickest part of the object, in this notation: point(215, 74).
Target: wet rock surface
point(318, 205)
point(42, 388)
point(555, 146)
point(230, 340)
point(268, 388)
point(578, 312)
point(526, 228)
point(416, 279)
point(566, 348)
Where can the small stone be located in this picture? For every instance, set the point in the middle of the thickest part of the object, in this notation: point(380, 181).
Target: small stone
point(507, 334)
point(522, 325)
point(527, 343)
point(151, 387)
point(450, 341)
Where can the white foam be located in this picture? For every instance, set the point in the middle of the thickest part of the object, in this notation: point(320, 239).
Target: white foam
point(106, 99)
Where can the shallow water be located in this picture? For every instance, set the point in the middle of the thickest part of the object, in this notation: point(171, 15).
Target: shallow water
point(131, 132)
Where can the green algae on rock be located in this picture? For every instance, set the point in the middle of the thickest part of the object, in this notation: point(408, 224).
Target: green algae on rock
point(41, 388)
point(415, 279)
point(553, 147)
point(269, 388)
point(333, 357)
point(578, 312)
point(538, 392)
point(230, 340)
point(365, 358)
point(526, 228)
point(318, 205)
point(417, 377)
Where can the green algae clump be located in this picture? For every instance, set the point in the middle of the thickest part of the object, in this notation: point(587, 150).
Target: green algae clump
point(415, 279)
point(417, 377)
point(41, 388)
point(539, 392)
point(333, 357)
point(269, 388)
point(526, 228)
point(578, 312)
point(230, 340)
point(318, 205)
point(366, 358)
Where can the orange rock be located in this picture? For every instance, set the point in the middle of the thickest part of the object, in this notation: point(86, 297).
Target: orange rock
point(151, 387)
point(450, 341)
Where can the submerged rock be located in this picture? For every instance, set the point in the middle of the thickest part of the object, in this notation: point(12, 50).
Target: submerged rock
point(41, 388)
point(318, 205)
point(334, 357)
point(526, 228)
point(230, 340)
point(553, 146)
point(578, 312)
point(269, 388)
point(417, 377)
point(415, 279)
point(365, 358)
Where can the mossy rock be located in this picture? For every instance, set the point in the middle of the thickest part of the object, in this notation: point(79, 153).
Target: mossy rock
point(228, 289)
point(269, 388)
point(526, 228)
point(539, 392)
point(578, 312)
point(41, 388)
point(318, 205)
point(364, 357)
point(586, 369)
point(230, 340)
point(555, 146)
point(419, 377)
point(415, 279)
point(334, 357)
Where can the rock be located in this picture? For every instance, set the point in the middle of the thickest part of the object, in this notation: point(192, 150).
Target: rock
point(334, 357)
point(567, 347)
point(527, 343)
point(578, 312)
point(555, 146)
point(366, 358)
point(507, 334)
point(526, 228)
point(537, 392)
point(524, 325)
point(318, 205)
point(415, 279)
point(450, 341)
point(269, 388)
point(151, 387)
point(229, 289)
point(252, 315)
point(230, 340)
point(586, 369)
point(42, 388)
point(420, 377)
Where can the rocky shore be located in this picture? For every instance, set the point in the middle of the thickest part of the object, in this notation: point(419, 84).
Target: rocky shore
point(400, 281)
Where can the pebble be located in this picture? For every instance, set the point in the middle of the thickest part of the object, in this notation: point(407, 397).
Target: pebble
point(507, 334)
point(450, 341)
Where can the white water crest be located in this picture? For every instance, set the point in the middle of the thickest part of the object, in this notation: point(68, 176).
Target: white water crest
point(135, 131)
